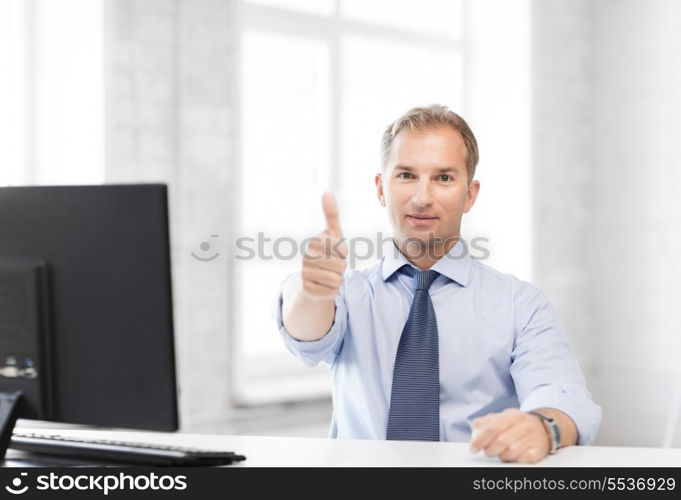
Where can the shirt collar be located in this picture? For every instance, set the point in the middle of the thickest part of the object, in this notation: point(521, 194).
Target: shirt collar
point(455, 264)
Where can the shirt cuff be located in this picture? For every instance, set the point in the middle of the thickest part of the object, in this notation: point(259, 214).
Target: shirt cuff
point(313, 351)
point(574, 403)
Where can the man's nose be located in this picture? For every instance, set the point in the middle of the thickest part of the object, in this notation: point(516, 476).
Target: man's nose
point(422, 197)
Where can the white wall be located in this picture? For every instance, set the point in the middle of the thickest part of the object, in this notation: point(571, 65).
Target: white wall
point(562, 153)
point(607, 94)
point(634, 230)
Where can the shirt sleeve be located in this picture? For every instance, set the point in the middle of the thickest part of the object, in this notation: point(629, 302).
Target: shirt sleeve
point(545, 371)
point(326, 348)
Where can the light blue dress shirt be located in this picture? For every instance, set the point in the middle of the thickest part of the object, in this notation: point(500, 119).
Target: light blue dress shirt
point(501, 345)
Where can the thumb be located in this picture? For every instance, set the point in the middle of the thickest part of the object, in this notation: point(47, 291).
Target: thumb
point(330, 207)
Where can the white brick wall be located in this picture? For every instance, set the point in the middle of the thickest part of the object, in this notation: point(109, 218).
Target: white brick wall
point(171, 116)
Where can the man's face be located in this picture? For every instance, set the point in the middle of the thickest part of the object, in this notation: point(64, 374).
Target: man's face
point(425, 186)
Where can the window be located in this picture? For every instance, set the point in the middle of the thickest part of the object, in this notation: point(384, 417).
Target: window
point(13, 91)
point(320, 80)
point(51, 92)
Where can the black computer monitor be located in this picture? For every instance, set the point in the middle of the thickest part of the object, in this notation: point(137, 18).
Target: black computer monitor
point(86, 323)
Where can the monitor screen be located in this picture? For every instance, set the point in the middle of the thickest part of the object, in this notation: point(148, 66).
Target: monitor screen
point(86, 271)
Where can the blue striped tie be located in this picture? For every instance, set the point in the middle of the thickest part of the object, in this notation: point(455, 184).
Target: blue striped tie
point(415, 400)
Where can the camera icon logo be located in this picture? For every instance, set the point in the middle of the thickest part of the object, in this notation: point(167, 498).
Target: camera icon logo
point(205, 247)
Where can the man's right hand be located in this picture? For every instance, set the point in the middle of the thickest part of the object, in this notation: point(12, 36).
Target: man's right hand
point(324, 260)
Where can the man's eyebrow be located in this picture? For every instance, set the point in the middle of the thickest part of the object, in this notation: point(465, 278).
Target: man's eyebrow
point(440, 170)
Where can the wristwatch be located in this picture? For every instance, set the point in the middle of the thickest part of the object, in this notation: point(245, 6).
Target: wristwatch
point(553, 430)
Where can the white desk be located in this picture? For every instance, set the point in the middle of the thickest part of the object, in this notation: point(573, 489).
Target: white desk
point(311, 452)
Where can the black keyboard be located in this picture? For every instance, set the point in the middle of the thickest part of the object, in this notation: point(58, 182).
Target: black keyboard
point(119, 451)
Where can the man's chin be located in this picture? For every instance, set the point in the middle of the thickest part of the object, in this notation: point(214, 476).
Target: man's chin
point(427, 238)
point(422, 238)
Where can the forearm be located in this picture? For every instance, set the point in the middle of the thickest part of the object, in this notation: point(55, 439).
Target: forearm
point(305, 318)
point(568, 429)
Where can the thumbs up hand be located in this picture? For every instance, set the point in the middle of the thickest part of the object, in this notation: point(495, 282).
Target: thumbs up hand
point(324, 260)
point(330, 207)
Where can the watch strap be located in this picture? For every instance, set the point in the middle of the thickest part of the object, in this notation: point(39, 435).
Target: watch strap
point(552, 428)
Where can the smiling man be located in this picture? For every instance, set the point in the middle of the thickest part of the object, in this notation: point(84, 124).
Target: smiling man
point(430, 344)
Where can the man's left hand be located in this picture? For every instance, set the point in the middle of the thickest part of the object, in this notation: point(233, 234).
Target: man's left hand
point(512, 435)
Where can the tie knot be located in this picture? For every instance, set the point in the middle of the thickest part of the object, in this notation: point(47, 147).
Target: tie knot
point(422, 279)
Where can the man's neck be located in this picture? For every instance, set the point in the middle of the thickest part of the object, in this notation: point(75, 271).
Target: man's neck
point(422, 256)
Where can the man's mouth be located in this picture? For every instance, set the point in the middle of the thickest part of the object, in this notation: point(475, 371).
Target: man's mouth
point(421, 221)
point(421, 217)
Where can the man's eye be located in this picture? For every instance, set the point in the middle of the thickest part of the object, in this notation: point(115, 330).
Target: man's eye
point(402, 174)
point(445, 178)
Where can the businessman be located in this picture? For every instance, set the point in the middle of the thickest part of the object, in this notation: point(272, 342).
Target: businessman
point(428, 343)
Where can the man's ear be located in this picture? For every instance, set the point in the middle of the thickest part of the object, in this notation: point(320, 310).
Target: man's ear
point(472, 195)
point(379, 188)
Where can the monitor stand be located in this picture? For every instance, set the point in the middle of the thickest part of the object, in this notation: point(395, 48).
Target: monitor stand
point(9, 411)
